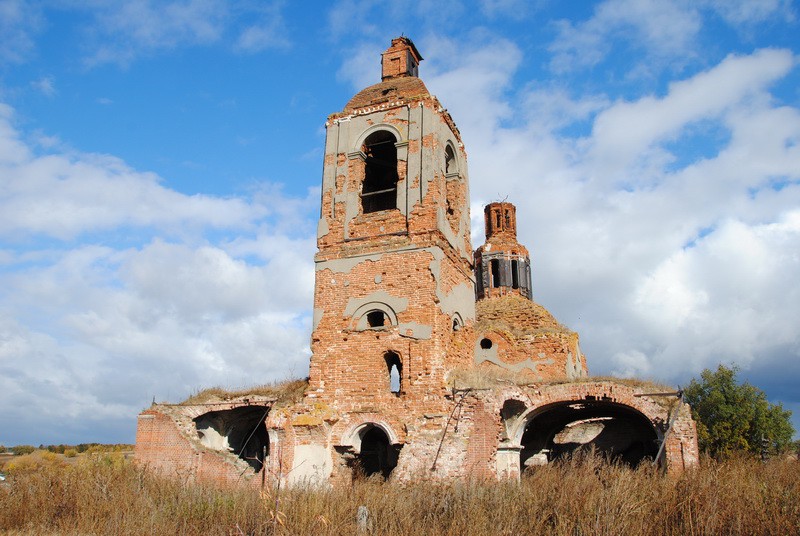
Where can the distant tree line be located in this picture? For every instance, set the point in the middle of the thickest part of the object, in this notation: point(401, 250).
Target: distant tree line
point(19, 450)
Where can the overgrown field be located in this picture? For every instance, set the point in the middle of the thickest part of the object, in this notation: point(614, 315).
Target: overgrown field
point(104, 494)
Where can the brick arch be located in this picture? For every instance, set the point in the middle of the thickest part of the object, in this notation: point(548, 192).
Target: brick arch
point(607, 393)
point(359, 142)
point(352, 437)
point(358, 322)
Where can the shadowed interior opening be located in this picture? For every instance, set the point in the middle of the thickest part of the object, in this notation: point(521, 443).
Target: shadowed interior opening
point(613, 430)
point(378, 456)
point(240, 431)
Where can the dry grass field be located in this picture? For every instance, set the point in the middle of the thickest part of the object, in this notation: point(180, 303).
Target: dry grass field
point(104, 493)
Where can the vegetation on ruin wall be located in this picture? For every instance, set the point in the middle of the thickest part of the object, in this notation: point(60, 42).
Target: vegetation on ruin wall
point(283, 392)
point(103, 494)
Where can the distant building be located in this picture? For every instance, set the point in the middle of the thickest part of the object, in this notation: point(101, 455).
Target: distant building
point(429, 359)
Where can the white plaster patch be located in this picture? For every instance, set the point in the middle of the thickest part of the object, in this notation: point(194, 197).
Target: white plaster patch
point(312, 465)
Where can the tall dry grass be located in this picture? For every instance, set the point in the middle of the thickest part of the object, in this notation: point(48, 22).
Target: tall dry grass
point(106, 495)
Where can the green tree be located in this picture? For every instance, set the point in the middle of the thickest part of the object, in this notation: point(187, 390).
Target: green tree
point(733, 416)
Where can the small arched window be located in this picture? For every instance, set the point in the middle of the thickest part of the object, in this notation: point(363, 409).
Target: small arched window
point(395, 369)
point(449, 160)
point(379, 189)
point(376, 319)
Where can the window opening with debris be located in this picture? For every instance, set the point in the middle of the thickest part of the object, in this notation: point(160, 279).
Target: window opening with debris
point(615, 431)
point(240, 431)
point(379, 189)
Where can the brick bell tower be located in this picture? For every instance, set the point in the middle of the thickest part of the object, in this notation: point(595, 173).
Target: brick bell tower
point(394, 293)
point(502, 265)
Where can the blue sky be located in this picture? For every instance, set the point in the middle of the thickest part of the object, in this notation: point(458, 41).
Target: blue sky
point(160, 166)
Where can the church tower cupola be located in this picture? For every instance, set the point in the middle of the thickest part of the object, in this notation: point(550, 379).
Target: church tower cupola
point(400, 59)
point(502, 265)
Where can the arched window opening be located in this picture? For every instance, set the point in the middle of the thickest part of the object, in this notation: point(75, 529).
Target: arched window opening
point(514, 273)
point(376, 319)
point(494, 268)
point(379, 189)
point(449, 160)
point(614, 431)
point(395, 369)
point(378, 456)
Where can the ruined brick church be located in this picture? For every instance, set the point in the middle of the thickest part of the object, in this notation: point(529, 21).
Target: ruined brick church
point(430, 360)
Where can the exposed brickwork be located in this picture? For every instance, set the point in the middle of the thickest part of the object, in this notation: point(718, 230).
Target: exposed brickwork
point(164, 448)
point(396, 318)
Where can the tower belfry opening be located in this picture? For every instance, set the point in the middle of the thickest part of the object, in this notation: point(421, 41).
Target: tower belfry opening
point(379, 189)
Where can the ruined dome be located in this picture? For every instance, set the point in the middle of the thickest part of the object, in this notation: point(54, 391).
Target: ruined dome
point(394, 89)
point(515, 315)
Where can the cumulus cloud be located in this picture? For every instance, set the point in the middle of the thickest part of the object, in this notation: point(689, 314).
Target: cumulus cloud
point(136, 310)
point(745, 12)
point(138, 27)
point(20, 21)
point(625, 131)
point(121, 32)
point(664, 264)
point(66, 195)
point(662, 28)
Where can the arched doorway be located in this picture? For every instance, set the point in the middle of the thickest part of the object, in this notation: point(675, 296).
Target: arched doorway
point(618, 432)
point(377, 456)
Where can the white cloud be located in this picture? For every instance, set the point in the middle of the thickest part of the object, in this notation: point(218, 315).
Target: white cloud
point(662, 28)
point(66, 195)
point(692, 263)
point(743, 12)
point(134, 27)
point(269, 30)
point(625, 131)
point(727, 298)
point(121, 32)
point(45, 85)
point(19, 22)
point(97, 328)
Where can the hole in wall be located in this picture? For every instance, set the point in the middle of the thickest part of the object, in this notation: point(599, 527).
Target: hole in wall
point(486, 343)
point(617, 432)
point(240, 431)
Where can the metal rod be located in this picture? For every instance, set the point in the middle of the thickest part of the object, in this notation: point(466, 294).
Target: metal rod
point(672, 420)
point(447, 424)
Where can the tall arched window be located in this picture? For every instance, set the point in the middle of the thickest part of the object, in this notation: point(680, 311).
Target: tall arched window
point(449, 160)
point(395, 368)
point(379, 190)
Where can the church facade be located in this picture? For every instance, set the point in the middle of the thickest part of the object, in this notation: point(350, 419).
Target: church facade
point(430, 360)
